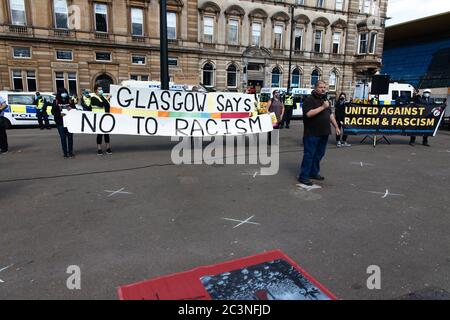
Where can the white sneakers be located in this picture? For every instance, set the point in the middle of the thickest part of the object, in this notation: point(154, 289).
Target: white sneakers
point(343, 144)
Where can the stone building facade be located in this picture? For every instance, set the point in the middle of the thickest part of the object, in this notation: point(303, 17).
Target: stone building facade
point(226, 45)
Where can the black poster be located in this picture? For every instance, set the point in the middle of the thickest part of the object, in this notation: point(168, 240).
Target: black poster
point(408, 120)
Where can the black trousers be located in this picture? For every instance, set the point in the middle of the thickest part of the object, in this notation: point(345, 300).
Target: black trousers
point(3, 136)
point(287, 115)
point(338, 137)
point(424, 141)
point(42, 117)
point(100, 136)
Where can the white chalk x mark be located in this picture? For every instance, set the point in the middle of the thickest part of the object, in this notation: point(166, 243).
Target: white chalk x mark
point(120, 191)
point(241, 222)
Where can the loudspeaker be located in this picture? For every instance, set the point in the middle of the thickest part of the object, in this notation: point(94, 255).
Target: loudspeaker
point(380, 84)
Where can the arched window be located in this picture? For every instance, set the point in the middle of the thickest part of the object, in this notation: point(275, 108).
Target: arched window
point(232, 76)
point(296, 78)
point(333, 83)
point(208, 75)
point(276, 77)
point(315, 76)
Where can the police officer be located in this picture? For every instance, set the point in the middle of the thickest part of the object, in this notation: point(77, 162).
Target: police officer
point(86, 101)
point(41, 111)
point(289, 107)
point(3, 136)
point(100, 104)
point(425, 100)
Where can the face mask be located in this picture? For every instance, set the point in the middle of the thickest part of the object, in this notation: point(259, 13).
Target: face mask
point(100, 92)
point(86, 94)
point(63, 95)
point(342, 98)
point(426, 95)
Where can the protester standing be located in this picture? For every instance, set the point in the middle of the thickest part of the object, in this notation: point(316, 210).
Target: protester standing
point(62, 103)
point(3, 136)
point(317, 117)
point(100, 104)
point(424, 100)
point(276, 106)
point(339, 112)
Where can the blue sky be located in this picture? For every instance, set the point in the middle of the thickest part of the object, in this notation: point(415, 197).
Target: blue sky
point(406, 10)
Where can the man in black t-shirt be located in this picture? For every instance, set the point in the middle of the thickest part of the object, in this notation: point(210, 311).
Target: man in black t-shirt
point(317, 116)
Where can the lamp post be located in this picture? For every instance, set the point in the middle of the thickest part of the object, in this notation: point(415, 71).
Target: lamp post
point(290, 46)
point(163, 45)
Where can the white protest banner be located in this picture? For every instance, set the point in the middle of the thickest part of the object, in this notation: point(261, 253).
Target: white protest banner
point(181, 101)
point(108, 123)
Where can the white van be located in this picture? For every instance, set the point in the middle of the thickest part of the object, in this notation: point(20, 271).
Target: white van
point(362, 92)
point(151, 85)
point(21, 111)
point(300, 95)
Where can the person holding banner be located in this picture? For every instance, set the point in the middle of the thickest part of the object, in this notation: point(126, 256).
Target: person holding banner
point(63, 102)
point(339, 111)
point(425, 100)
point(100, 104)
point(276, 106)
point(317, 117)
point(3, 136)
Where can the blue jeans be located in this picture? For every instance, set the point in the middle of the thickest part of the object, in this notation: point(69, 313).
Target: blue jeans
point(66, 140)
point(314, 151)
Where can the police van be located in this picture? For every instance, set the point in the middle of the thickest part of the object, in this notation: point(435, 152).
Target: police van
point(396, 90)
point(299, 95)
point(21, 111)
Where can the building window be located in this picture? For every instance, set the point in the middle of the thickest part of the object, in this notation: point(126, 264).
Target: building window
point(208, 75)
point(300, 2)
point(139, 77)
point(173, 61)
point(278, 37)
point(320, 3)
point(333, 81)
point(171, 25)
point(31, 81)
point(59, 80)
point(64, 55)
point(232, 76)
point(17, 80)
point(314, 78)
point(276, 78)
point(18, 16)
point(61, 14)
point(72, 80)
point(373, 43)
point(362, 48)
point(340, 5)
point(103, 56)
point(256, 34)
point(336, 42)
point(318, 41)
point(208, 29)
point(233, 32)
point(137, 22)
point(101, 17)
point(22, 52)
point(298, 39)
point(368, 7)
point(67, 80)
point(295, 83)
point(141, 60)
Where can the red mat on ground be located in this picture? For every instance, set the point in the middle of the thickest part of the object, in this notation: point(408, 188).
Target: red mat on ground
point(267, 276)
